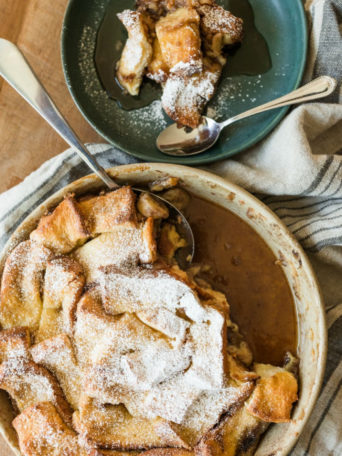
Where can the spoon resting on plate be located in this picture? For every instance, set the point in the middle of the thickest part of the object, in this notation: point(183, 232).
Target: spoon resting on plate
point(182, 141)
point(17, 72)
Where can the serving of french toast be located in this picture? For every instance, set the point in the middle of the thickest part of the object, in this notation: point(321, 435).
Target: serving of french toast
point(107, 347)
point(180, 45)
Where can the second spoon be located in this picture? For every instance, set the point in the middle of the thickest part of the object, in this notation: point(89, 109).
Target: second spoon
point(177, 141)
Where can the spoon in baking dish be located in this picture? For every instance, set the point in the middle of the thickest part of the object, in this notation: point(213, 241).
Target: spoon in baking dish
point(17, 72)
point(183, 141)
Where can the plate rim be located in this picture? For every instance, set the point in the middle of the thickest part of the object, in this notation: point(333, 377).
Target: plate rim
point(191, 160)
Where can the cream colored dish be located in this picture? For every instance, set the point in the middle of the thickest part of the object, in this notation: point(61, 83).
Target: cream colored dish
point(311, 325)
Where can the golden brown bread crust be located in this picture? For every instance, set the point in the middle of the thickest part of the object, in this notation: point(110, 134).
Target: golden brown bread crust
point(92, 322)
point(28, 383)
point(57, 355)
point(21, 284)
point(149, 255)
point(157, 70)
point(63, 287)
point(215, 19)
point(42, 432)
point(137, 52)
point(273, 398)
point(63, 229)
point(237, 434)
point(185, 96)
point(14, 342)
point(179, 39)
point(103, 213)
point(124, 246)
point(196, 426)
point(112, 426)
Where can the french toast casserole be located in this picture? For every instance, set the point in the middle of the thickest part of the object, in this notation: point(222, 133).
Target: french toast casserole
point(107, 347)
point(180, 45)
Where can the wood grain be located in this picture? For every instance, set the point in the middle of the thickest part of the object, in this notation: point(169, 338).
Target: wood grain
point(26, 140)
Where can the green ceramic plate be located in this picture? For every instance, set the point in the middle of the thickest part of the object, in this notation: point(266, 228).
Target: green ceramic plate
point(281, 23)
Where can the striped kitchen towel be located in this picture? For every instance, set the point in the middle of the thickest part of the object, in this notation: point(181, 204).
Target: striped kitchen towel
point(297, 171)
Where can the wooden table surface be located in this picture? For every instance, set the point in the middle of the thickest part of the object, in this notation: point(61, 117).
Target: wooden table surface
point(26, 140)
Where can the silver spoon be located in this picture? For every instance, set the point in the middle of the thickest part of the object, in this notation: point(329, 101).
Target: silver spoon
point(17, 72)
point(182, 141)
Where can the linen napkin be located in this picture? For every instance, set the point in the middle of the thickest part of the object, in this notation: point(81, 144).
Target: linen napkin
point(296, 171)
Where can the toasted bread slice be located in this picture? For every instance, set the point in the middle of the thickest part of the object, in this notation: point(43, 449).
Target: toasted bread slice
point(209, 366)
point(42, 432)
point(219, 28)
point(237, 434)
point(149, 250)
point(137, 289)
point(206, 411)
point(179, 39)
point(58, 356)
point(274, 395)
point(124, 246)
point(157, 402)
point(126, 361)
point(119, 429)
point(216, 20)
point(92, 324)
point(102, 214)
point(112, 378)
point(63, 286)
point(157, 70)
point(184, 96)
point(137, 52)
point(14, 343)
point(21, 301)
point(28, 383)
point(63, 229)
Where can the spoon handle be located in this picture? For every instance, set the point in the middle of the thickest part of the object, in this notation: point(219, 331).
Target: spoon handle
point(318, 88)
point(17, 72)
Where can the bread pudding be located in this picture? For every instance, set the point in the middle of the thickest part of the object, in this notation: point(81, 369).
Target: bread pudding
point(107, 347)
point(180, 45)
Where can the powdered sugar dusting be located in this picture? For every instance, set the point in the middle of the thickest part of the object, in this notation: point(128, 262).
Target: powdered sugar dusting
point(144, 118)
point(187, 94)
point(140, 336)
point(136, 365)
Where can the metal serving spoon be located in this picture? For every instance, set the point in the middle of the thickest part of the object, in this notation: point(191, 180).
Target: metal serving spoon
point(184, 141)
point(17, 72)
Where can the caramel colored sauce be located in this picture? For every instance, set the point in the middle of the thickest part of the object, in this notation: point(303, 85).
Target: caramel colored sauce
point(245, 269)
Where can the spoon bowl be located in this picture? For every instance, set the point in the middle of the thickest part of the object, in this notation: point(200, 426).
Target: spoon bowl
point(179, 141)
